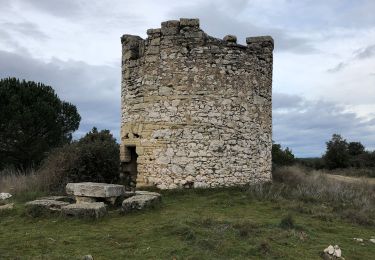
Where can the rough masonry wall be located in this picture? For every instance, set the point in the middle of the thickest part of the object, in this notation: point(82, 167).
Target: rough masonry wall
point(196, 108)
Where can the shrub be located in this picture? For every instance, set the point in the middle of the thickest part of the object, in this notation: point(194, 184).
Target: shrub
point(264, 248)
point(287, 222)
point(246, 228)
point(95, 158)
point(281, 156)
point(316, 163)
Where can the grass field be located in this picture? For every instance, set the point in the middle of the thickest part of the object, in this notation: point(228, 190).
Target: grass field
point(192, 224)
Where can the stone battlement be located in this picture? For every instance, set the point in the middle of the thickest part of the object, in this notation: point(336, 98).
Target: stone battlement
point(187, 30)
point(196, 110)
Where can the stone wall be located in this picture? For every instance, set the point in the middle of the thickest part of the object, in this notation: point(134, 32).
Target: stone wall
point(197, 109)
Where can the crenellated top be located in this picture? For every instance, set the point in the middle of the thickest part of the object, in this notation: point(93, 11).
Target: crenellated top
point(188, 30)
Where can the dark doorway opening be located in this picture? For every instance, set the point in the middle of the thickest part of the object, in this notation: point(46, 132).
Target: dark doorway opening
point(129, 168)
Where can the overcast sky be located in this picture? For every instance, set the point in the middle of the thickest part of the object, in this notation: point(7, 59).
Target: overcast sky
point(324, 60)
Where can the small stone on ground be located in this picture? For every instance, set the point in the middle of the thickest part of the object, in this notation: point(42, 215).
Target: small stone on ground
point(332, 252)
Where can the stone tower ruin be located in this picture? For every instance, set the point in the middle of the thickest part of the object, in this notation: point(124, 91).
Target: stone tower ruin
point(196, 110)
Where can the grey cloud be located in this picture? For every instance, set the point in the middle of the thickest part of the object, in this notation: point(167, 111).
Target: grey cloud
point(9, 41)
point(364, 53)
point(285, 101)
point(13, 35)
point(306, 126)
point(61, 8)
point(340, 66)
point(359, 54)
point(95, 90)
point(27, 29)
point(360, 15)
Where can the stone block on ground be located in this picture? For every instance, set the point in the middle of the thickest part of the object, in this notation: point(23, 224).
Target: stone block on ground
point(139, 202)
point(5, 195)
point(37, 208)
point(6, 207)
point(93, 189)
point(85, 210)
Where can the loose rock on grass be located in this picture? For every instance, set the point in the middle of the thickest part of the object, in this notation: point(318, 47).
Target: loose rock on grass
point(332, 252)
point(5, 195)
point(139, 202)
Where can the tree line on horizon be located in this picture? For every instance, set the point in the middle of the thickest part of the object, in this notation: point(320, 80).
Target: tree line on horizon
point(339, 154)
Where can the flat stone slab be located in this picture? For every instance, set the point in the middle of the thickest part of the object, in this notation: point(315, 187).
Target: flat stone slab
point(139, 202)
point(85, 210)
point(37, 208)
point(93, 189)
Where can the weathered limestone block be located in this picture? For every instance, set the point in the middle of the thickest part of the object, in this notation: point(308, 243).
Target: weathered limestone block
point(138, 202)
point(37, 208)
point(230, 38)
point(85, 210)
point(170, 27)
point(189, 22)
point(93, 189)
point(260, 43)
point(154, 32)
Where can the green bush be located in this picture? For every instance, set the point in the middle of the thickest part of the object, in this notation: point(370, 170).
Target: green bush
point(313, 163)
point(95, 158)
point(287, 222)
point(280, 156)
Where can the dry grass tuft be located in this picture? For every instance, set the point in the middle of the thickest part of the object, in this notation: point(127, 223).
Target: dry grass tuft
point(354, 200)
point(17, 182)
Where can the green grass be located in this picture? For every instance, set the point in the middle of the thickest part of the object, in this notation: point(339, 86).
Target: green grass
point(190, 224)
